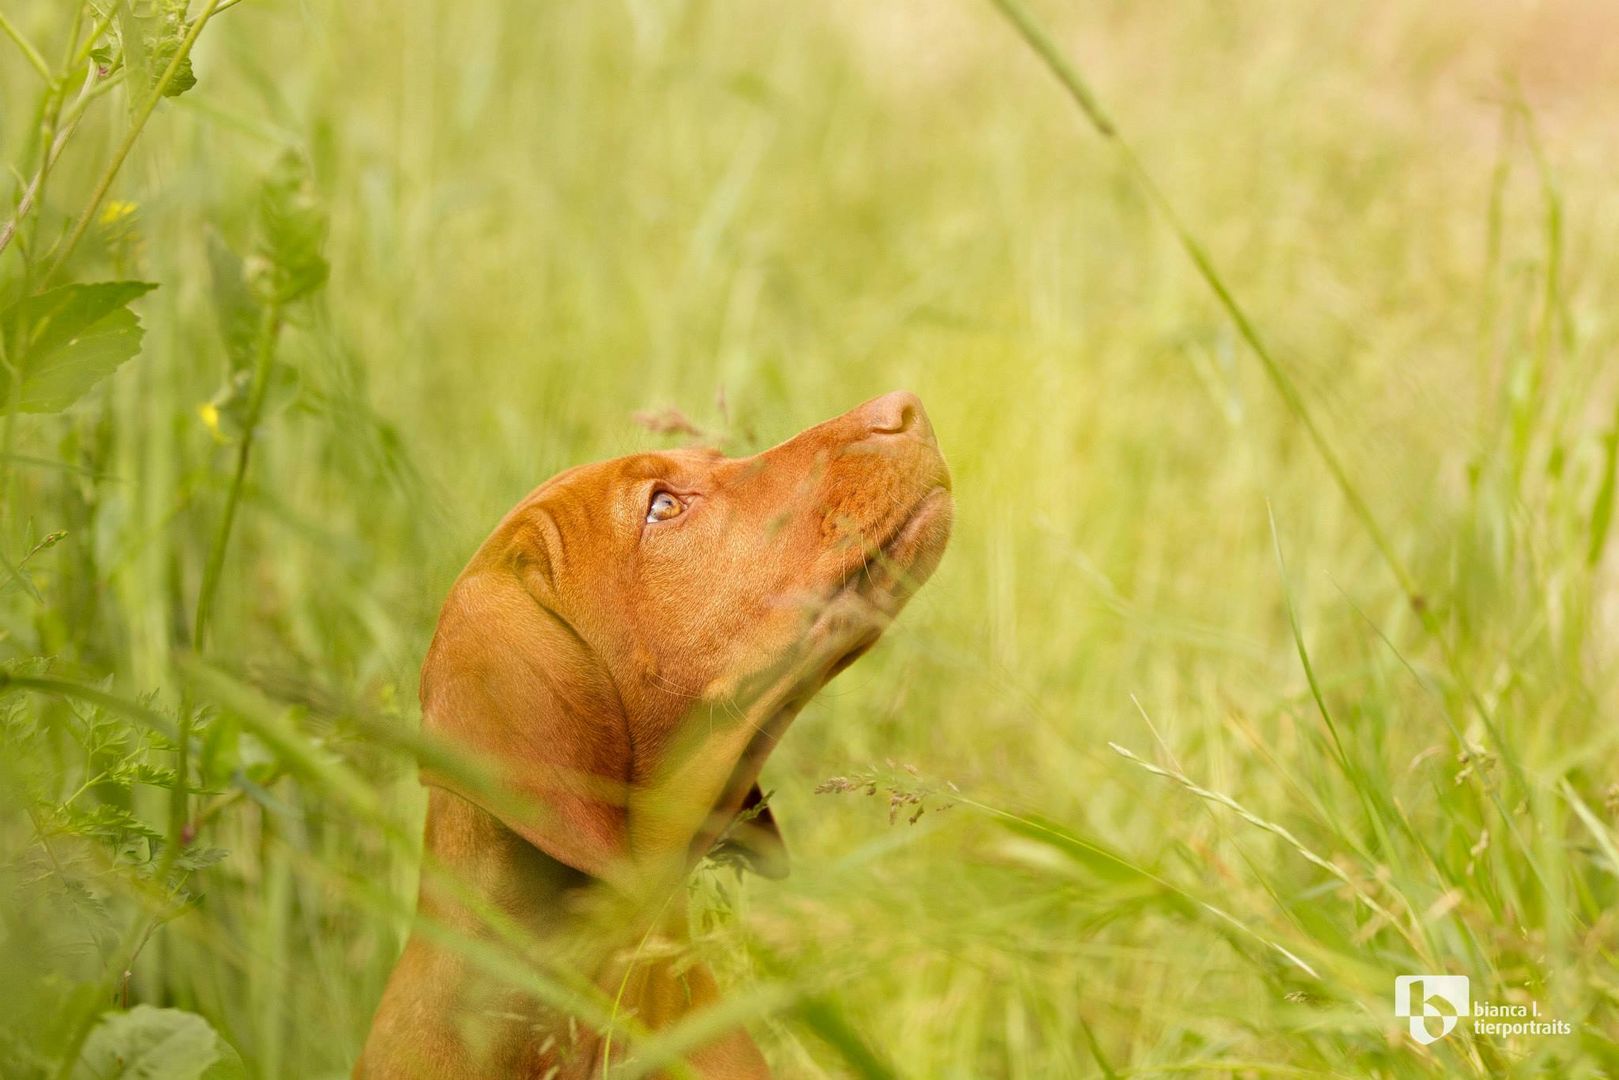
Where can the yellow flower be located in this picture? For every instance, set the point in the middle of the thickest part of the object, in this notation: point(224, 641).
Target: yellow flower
point(117, 210)
point(210, 418)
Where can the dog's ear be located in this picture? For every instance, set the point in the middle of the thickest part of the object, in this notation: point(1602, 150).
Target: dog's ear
point(509, 681)
point(754, 839)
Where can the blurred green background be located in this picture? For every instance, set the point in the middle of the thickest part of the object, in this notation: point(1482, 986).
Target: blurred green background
point(540, 219)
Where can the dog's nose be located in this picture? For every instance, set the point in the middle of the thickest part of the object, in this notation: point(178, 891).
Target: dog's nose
point(897, 413)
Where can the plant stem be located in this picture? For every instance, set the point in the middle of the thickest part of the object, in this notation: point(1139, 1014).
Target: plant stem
point(269, 326)
point(27, 48)
point(137, 125)
point(87, 93)
point(47, 117)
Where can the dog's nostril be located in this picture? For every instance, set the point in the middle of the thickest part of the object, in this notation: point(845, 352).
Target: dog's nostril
point(894, 413)
point(895, 420)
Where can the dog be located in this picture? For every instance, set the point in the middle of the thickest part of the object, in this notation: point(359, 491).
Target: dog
point(624, 650)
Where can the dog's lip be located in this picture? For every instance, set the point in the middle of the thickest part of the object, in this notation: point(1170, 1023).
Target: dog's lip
point(862, 607)
point(902, 576)
point(930, 502)
point(937, 498)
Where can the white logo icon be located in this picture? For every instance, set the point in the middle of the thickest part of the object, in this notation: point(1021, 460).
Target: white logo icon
point(1425, 998)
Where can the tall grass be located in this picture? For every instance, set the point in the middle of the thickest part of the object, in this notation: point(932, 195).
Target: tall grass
point(1352, 642)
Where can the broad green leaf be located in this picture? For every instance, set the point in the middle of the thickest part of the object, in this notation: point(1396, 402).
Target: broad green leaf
point(163, 54)
point(147, 1043)
point(149, 37)
point(65, 341)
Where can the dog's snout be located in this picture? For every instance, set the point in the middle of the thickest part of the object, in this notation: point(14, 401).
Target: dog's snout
point(898, 413)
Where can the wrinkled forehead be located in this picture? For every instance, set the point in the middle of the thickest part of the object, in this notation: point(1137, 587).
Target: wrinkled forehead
point(601, 477)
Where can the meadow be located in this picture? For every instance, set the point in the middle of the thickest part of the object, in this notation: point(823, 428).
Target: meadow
point(1276, 653)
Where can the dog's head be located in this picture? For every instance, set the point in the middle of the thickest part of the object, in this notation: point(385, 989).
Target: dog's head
point(632, 639)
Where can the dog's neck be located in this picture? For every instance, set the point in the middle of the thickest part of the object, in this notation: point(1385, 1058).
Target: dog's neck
point(476, 868)
point(478, 872)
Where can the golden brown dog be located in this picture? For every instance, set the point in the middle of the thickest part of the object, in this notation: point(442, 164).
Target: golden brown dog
point(626, 648)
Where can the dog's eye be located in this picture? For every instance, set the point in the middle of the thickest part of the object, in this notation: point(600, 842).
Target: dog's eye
point(664, 506)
